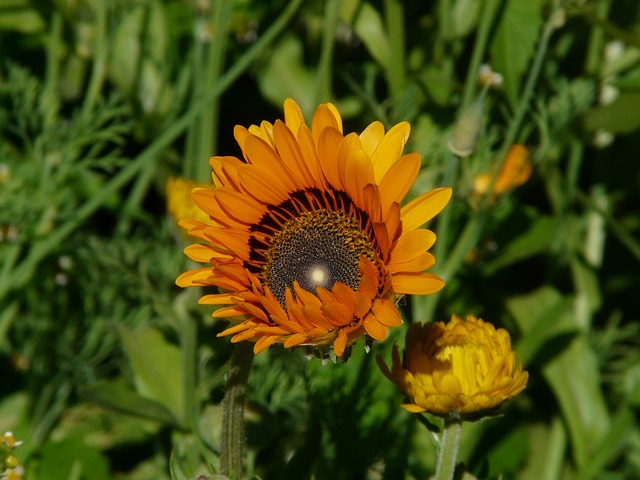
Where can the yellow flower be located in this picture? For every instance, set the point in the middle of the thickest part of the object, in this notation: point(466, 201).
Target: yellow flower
point(516, 170)
point(456, 369)
point(306, 240)
point(179, 203)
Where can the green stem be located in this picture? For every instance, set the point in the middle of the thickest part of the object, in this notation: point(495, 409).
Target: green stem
point(232, 444)
point(490, 7)
point(448, 451)
point(207, 124)
point(532, 79)
point(99, 68)
point(323, 80)
point(395, 63)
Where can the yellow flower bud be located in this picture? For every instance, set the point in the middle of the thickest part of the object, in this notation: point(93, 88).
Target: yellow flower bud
point(456, 370)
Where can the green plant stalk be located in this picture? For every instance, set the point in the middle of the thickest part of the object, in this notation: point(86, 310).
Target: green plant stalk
point(489, 10)
point(21, 275)
point(99, 67)
point(186, 121)
point(232, 442)
point(593, 61)
point(448, 451)
point(207, 124)
point(532, 79)
point(189, 367)
point(466, 241)
point(53, 52)
point(323, 89)
point(395, 68)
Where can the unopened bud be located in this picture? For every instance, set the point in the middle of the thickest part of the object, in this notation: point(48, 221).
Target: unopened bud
point(464, 136)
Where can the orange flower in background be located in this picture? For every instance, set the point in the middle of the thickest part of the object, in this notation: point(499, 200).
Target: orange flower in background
point(179, 204)
point(516, 170)
point(456, 369)
point(306, 239)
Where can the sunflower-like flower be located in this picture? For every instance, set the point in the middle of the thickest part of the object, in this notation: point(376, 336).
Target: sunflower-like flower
point(456, 369)
point(306, 239)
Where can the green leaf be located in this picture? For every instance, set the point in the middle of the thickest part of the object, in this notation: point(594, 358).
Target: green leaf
point(72, 459)
point(286, 75)
point(573, 374)
point(620, 116)
point(527, 244)
point(176, 471)
point(370, 28)
point(114, 396)
point(514, 42)
point(156, 366)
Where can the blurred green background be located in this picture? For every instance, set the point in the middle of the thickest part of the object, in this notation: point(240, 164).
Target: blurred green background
point(109, 371)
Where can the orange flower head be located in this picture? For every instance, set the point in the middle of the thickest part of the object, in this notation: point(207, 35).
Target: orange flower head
point(516, 170)
point(306, 240)
point(179, 204)
point(458, 369)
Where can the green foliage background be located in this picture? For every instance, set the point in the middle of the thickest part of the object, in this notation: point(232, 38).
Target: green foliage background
point(109, 371)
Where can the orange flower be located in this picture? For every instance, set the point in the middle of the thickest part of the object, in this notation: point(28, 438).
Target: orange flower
point(516, 170)
point(307, 241)
point(179, 203)
point(456, 370)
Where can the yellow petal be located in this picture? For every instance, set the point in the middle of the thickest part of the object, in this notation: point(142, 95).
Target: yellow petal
point(422, 209)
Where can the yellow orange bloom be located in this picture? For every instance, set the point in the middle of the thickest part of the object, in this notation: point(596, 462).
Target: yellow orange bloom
point(179, 204)
point(516, 170)
point(456, 369)
point(306, 240)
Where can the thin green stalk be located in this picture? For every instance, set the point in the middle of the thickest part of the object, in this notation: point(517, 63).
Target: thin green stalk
point(448, 451)
point(207, 124)
point(489, 9)
point(232, 444)
point(189, 362)
point(323, 87)
point(454, 261)
point(532, 79)
point(395, 73)
point(224, 82)
point(53, 52)
point(21, 275)
point(593, 62)
point(100, 53)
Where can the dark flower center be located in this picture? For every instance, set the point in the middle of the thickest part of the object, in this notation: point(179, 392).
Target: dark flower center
point(317, 249)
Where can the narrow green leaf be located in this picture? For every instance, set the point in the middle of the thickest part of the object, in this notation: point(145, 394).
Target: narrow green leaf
point(514, 42)
point(156, 365)
point(370, 28)
point(114, 396)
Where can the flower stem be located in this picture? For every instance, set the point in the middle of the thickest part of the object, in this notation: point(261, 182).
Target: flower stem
point(448, 451)
point(232, 444)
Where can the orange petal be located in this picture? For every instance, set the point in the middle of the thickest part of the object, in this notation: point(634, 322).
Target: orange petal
point(412, 244)
point(196, 277)
point(418, 264)
point(416, 283)
point(264, 343)
point(371, 137)
point(293, 117)
point(328, 146)
point(374, 328)
point(390, 149)
point(291, 156)
point(398, 180)
point(325, 117)
point(424, 208)
point(295, 339)
point(340, 343)
point(386, 313)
